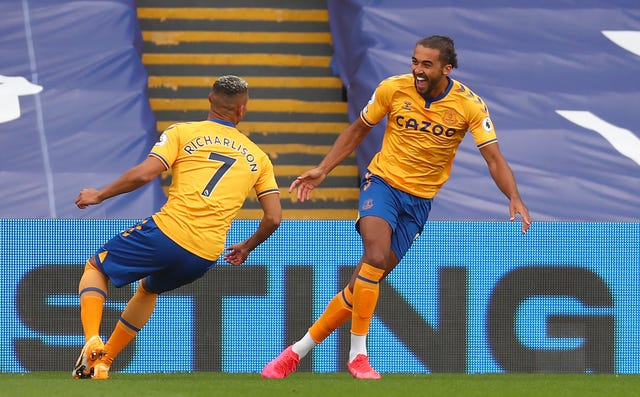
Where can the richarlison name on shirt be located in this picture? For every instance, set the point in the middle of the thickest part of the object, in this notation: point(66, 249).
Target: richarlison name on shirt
point(207, 140)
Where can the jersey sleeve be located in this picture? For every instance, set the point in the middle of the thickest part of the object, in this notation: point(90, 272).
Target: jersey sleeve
point(166, 149)
point(480, 124)
point(378, 105)
point(266, 183)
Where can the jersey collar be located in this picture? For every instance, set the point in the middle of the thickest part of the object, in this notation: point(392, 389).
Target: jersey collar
point(429, 100)
point(224, 122)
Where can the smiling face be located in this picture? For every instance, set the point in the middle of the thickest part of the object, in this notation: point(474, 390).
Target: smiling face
point(428, 71)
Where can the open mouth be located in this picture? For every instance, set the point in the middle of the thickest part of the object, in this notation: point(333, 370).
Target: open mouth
point(421, 83)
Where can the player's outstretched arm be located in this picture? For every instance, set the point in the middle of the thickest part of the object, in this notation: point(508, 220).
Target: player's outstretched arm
point(132, 179)
point(506, 182)
point(344, 145)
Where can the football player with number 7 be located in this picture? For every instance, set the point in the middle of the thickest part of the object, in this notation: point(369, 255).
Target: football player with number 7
point(214, 168)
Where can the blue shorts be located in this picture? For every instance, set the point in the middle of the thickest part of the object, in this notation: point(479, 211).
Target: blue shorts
point(144, 251)
point(405, 213)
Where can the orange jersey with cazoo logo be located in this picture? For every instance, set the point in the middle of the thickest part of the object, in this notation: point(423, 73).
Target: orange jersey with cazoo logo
point(422, 136)
point(214, 168)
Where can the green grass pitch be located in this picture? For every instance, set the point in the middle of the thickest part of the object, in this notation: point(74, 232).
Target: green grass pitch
point(54, 384)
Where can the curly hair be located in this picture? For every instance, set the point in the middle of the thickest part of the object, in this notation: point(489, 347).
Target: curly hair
point(230, 85)
point(443, 44)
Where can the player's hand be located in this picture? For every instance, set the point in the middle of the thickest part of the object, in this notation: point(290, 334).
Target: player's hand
point(518, 207)
point(237, 254)
point(88, 197)
point(306, 182)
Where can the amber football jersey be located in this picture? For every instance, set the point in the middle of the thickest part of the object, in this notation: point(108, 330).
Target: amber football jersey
point(214, 168)
point(422, 135)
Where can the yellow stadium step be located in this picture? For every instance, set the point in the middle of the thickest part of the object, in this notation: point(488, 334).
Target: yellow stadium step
point(233, 14)
point(257, 127)
point(205, 82)
point(233, 59)
point(177, 37)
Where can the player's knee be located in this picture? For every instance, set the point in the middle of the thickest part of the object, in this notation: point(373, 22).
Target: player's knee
point(376, 259)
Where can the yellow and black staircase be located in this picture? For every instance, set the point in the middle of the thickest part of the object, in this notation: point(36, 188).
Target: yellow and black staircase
point(283, 49)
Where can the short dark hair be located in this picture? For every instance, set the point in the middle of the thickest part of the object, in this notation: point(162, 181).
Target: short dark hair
point(443, 44)
point(230, 85)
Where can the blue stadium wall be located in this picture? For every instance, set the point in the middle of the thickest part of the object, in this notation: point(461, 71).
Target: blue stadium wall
point(74, 110)
point(476, 297)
